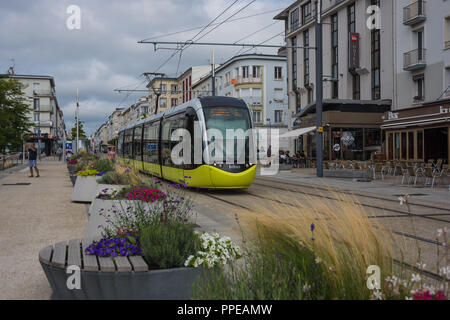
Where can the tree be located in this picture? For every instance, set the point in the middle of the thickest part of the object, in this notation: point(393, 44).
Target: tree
point(14, 121)
point(81, 133)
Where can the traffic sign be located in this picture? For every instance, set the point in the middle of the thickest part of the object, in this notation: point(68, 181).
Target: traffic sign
point(68, 145)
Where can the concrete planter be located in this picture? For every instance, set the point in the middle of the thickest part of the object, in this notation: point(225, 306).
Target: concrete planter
point(100, 210)
point(84, 189)
point(168, 284)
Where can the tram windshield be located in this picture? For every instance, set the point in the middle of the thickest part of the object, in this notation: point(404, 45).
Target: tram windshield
point(229, 118)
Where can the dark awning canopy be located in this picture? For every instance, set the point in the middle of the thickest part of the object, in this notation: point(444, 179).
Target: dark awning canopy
point(344, 105)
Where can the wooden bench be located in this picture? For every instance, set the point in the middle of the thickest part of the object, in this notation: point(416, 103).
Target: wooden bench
point(106, 278)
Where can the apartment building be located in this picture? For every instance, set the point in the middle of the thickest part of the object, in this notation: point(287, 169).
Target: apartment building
point(418, 127)
point(45, 112)
point(260, 80)
point(166, 90)
point(358, 79)
point(113, 124)
point(190, 76)
point(386, 77)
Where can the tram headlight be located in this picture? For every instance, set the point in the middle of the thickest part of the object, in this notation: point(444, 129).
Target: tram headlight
point(215, 164)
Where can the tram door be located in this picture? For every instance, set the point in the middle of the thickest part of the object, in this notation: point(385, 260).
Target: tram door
point(171, 169)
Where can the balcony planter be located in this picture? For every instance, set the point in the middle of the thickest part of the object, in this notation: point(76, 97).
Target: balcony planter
point(84, 189)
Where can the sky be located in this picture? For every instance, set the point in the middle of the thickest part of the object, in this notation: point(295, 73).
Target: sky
point(104, 54)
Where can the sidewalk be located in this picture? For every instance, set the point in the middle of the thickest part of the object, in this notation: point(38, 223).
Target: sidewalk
point(390, 187)
point(32, 217)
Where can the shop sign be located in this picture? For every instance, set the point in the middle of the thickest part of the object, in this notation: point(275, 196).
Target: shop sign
point(443, 110)
point(392, 116)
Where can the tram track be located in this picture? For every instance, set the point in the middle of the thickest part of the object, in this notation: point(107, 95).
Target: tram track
point(403, 213)
point(429, 274)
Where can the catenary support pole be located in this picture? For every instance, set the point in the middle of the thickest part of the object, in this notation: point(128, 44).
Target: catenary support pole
point(319, 89)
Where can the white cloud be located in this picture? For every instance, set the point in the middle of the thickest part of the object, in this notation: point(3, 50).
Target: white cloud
point(104, 54)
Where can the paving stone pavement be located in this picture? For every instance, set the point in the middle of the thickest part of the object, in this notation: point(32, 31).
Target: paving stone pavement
point(32, 216)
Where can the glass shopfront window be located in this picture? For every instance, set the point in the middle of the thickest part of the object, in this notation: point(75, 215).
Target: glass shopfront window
point(353, 144)
point(411, 145)
point(397, 146)
point(391, 146)
point(420, 144)
point(336, 149)
point(403, 146)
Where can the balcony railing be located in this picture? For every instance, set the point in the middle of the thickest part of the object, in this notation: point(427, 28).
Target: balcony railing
point(414, 60)
point(252, 101)
point(44, 123)
point(249, 79)
point(46, 93)
point(414, 13)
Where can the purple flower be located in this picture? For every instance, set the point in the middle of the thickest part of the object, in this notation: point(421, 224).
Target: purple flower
point(312, 227)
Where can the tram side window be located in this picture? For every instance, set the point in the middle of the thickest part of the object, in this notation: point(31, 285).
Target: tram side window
point(137, 151)
point(150, 142)
point(120, 145)
point(169, 126)
point(128, 144)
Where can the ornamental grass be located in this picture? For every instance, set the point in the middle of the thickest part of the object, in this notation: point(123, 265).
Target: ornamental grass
point(317, 249)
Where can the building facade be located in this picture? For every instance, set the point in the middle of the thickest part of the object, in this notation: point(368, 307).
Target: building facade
point(260, 80)
point(190, 76)
point(166, 91)
point(358, 79)
point(418, 127)
point(45, 113)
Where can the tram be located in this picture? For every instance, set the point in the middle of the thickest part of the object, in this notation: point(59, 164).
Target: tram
point(147, 144)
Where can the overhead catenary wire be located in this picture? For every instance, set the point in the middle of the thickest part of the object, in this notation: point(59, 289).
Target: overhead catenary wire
point(196, 28)
point(193, 39)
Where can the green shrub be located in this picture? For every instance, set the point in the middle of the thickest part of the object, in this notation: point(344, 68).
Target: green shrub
point(104, 165)
point(113, 177)
point(169, 245)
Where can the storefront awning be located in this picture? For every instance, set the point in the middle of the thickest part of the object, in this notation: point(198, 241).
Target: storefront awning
point(298, 132)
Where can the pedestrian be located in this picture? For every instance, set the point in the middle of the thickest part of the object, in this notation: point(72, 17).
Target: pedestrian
point(269, 154)
point(59, 153)
point(112, 154)
point(32, 157)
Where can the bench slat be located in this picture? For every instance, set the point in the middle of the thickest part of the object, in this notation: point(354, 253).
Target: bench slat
point(59, 255)
point(74, 255)
point(106, 264)
point(89, 261)
point(46, 254)
point(123, 265)
point(139, 264)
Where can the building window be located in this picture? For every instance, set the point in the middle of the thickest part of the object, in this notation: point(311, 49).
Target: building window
point(351, 18)
point(447, 33)
point(419, 81)
point(256, 116)
point(278, 116)
point(294, 63)
point(376, 60)
point(294, 19)
point(334, 57)
point(36, 116)
point(310, 95)
point(173, 88)
point(163, 102)
point(173, 102)
point(278, 73)
point(36, 88)
point(245, 72)
point(163, 88)
point(411, 145)
point(306, 57)
point(36, 104)
point(256, 72)
point(306, 12)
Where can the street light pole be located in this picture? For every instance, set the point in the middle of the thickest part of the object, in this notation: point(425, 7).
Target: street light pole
point(213, 78)
point(78, 130)
point(319, 89)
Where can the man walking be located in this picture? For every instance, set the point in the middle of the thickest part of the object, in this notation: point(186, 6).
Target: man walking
point(32, 157)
